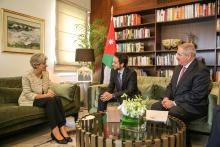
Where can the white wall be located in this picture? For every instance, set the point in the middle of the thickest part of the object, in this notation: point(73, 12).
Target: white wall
point(15, 64)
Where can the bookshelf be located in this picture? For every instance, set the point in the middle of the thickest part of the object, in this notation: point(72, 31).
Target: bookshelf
point(196, 19)
point(172, 21)
point(135, 36)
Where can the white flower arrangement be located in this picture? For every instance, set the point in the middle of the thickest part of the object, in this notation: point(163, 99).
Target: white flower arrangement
point(134, 107)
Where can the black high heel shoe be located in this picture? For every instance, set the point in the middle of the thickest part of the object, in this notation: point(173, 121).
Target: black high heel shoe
point(63, 141)
point(68, 139)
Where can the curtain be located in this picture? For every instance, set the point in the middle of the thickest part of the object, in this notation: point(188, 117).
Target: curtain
point(67, 17)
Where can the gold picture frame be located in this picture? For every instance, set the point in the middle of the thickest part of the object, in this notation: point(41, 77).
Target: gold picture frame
point(21, 33)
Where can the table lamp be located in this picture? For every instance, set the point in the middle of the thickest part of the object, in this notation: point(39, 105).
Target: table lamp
point(84, 55)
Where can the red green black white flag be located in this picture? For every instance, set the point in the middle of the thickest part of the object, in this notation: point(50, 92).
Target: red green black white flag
point(110, 46)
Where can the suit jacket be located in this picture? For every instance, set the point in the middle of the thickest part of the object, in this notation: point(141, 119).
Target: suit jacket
point(129, 83)
point(33, 85)
point(191, 93)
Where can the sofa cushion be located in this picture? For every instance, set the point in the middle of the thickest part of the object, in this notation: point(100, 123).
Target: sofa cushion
point(17, 114)
point(147, 83)
point(11, 82)
point(159, 91)
point(200, 125)
point(9, 95)
point(147, 90)
point(65, 90)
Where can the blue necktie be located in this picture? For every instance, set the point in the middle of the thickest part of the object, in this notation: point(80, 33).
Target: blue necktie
point(119, 80)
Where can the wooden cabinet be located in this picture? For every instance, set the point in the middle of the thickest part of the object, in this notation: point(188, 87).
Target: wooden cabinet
point(197, 20)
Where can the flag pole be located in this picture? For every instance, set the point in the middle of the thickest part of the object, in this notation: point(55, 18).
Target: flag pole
point(111, 12)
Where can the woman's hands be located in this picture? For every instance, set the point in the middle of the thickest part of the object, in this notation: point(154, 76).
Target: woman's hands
point(49, 93)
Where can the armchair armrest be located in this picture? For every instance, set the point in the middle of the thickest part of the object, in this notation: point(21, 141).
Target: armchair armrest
point(212, 104)
point(94, 92)
point(203, 125)
point(67, 90)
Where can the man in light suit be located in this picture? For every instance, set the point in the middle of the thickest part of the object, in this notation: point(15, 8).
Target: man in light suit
point(122, 80)
point(187, 94)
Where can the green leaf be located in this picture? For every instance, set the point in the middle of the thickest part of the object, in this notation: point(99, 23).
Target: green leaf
point(93, 36)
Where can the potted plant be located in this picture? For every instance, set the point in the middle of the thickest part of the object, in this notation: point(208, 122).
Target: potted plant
point(133, 110)
point(132, 120)
point(93, 36)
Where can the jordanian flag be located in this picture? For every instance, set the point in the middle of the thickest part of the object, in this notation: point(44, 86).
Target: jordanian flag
point(110, 47)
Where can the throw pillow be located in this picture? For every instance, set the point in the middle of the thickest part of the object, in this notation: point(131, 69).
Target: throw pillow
point(147, 91)
point(65, 90)
point(159, 91)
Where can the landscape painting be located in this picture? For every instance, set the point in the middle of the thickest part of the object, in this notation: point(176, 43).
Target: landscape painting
point(22, 33)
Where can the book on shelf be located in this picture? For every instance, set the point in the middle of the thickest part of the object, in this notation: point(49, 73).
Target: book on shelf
point(218, 57)
point(165, 73)
point(186, 12)
point(218, 41)
point(130, 47)
point(218, 24)
point(132, 34)
point(127, 20)
point(204, 9)
point(167, 59)
point(140, 61)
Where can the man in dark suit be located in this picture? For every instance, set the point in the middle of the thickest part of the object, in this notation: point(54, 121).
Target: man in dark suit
point(122, 80)
point(187, 94)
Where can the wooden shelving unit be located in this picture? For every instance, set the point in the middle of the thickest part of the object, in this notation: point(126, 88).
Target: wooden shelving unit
point(203, 28)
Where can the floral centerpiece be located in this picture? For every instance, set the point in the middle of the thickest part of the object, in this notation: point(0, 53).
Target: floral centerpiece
point(133, 110)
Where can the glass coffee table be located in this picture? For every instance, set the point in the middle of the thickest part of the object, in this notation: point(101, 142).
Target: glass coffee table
point(94, 131)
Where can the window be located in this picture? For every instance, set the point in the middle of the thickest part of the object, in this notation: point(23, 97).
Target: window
point(68, 15)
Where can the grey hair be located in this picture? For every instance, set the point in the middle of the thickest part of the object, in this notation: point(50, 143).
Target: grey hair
point(189, 48)
point(37, 59)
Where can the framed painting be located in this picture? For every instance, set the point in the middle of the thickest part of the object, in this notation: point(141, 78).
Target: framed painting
point(84, 74)
point(21, 33)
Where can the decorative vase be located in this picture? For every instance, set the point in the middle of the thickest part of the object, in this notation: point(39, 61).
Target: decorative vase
point(128, 122)
point(132, 128)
